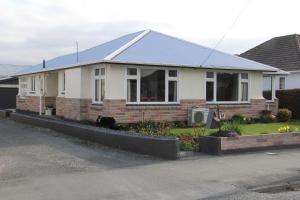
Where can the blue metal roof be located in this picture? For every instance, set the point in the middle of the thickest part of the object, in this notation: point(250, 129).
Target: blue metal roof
point(152, 48)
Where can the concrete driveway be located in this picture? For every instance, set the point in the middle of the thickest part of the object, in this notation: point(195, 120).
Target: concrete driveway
point(41, 164)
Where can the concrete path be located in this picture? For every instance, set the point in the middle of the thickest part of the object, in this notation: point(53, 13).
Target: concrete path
point(41, 164)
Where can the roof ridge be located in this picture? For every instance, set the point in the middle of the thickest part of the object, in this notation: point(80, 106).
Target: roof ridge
point(127, 45)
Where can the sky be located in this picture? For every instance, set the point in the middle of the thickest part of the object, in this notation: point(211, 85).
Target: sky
point(33, 30)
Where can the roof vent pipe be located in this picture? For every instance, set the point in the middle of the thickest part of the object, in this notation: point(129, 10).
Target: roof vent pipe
point(44, 64)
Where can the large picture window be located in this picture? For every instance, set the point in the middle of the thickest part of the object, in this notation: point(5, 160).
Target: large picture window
point(227, 87)
point(99, 85)
point(152, 85)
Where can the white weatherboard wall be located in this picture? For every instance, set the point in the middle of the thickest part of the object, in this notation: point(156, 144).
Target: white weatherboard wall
point(192, 83)
point(86, 82)
point(115, 81)
point(51, 85)
point(73, 83)
point(292, 81)
point(256, 85)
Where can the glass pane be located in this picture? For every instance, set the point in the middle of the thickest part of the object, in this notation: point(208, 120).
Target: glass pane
point(131, 90)
point(244, 91)
point(227, 87)
point(96, 72)
point(172, 73)
point(96, 90)
point(152, 85)
point(172, 91)
point(281, 83)
point(102, 89)
point(64, 82)
point(209, 75)
point(132, 71)
point(244, 76)
point(102, 71)
point(209, 91)
point(267, 87)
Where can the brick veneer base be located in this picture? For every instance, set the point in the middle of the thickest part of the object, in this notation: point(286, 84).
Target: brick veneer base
point(220, 145)
point(83, 109)
point(32, 103)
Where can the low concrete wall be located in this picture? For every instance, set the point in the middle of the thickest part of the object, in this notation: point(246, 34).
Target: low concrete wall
point(164, 147)
point(222, 145)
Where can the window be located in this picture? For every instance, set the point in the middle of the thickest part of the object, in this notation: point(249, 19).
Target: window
point(267, 87)
point(23, 87)
point(151, 85)
point(99, 85)
point(210, 86)
point(63, 86)
point(244, 87)
point(32, 84)
point(227, 87)
point(282, 83)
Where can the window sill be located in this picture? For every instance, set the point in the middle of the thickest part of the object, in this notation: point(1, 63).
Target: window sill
point(229, 103)
point(152, 106)
point(96, 106)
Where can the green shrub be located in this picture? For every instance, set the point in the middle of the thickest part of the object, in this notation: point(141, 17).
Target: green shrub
point(238, 118)
point(231, 127)
point(284, 115)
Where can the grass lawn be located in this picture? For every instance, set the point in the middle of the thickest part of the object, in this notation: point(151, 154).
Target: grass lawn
point(247, 129)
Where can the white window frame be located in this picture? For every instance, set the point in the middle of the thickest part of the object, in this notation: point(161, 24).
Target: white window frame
point(63, 83)
point(32, 84)
point(241, 80)
point(272, 88)
point(23, 87)
point(138, 78)
point(98, 77)
point(214, 80)
point(280, 84)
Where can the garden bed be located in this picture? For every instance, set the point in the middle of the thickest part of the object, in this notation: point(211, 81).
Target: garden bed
point(223, 145)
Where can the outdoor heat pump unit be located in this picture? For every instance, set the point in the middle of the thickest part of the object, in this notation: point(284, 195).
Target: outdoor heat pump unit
point(198, 116)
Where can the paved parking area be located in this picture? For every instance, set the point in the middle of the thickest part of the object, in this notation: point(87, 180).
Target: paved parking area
point(38, 163)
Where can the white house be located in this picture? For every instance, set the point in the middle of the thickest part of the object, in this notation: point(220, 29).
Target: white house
point(282, 52)
point(145, 75)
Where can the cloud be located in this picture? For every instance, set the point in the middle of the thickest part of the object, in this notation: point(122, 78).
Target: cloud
point(32, 30)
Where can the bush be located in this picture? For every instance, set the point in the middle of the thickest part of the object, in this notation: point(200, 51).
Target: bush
point(231, 127)
point(238, 118)
point(284, 115)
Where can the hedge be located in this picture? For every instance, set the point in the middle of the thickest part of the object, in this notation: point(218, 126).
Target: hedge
point(290, 99)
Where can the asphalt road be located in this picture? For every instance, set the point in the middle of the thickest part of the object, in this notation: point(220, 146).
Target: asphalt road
point(40, 164)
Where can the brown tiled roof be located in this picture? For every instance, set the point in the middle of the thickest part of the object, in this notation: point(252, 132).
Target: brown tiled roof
point(281, 52)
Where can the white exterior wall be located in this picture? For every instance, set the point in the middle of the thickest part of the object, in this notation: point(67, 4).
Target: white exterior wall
point(292, 81)
point(73, 83)
point(115, 82)
point(192, 84)
point(79, 83)
point(27, 80)
point(256, 85)
point(51, 85)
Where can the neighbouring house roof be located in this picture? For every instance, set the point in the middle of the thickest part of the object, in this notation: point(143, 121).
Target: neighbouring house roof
point(7, 70)
point(281, 52)
point(151, 48)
